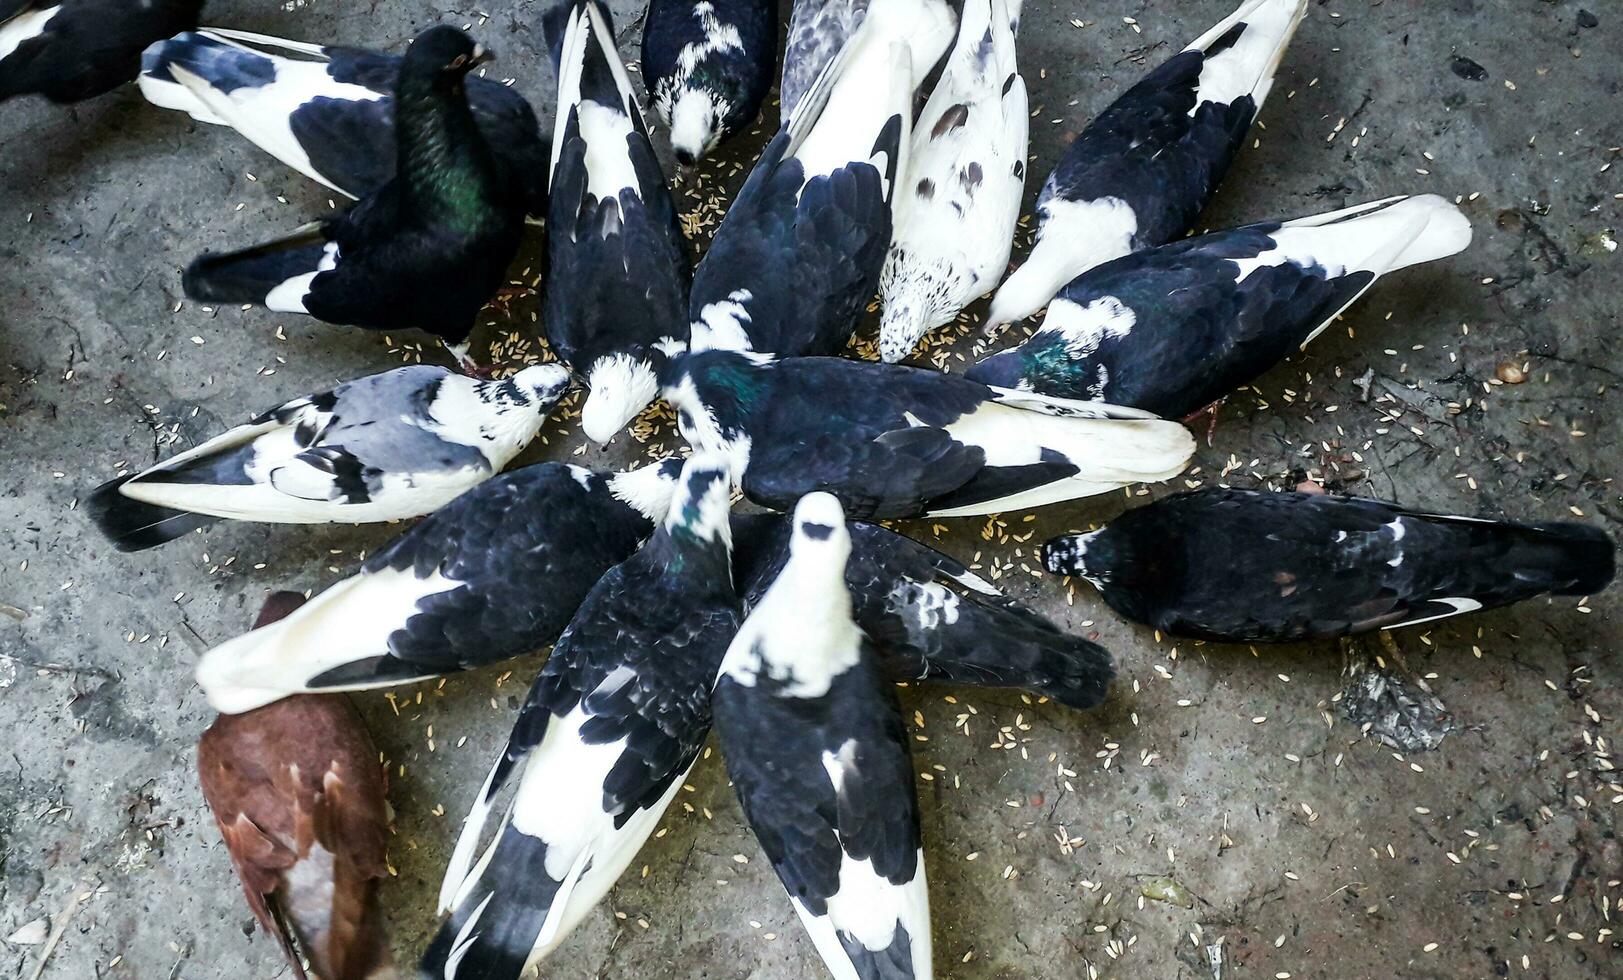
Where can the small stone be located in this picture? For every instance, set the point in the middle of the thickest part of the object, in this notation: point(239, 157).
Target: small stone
point(1510, 373)
point(31, 934)
point(1467, 69)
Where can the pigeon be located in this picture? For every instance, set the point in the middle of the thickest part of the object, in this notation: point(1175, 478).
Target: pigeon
point(381, 448)
point(494, 574)
point(818, 755)
point(604, 740)
point(427, 250)
point(298, 794)
point(1247, 566)
point(931, 618)
point(893, 441)
point(1140, 173)
point(797, 257)
point(612, 225)
point(71, 50)
point(329, 111)
point(819, 30)
point(1173, 329)
point(708, 65)
point(960, 198)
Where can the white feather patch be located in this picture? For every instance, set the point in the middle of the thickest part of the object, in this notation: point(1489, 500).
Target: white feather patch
point(1248, 67)
point(350, 621)
point(289, 296)
point(1072, 237)
point(24, 27)
point(960, 199)
point(619, 386)
point(471, 412)
point(263, 113)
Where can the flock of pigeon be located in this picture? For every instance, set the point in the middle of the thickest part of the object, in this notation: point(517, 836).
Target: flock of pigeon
point(666, 610)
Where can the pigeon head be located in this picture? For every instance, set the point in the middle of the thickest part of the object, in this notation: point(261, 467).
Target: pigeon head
point(712, 392)
point(542, 384)
point(278, 605)
point(621, 385)
point(1004, 369)
point(498, 417)
point(443, 160)
point(444, 52)
point(1044, 361)
point(900, 327)
point(698, 119)
point(701, 507)
point(820, 535)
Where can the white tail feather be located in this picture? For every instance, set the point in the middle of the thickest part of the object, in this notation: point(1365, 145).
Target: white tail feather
point(1379, 237)
point(1249, 66)
point(460, 870)
point(350, 621)
point(1107, 453)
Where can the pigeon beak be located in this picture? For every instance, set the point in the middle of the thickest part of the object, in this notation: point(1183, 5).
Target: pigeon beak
point(481, 55)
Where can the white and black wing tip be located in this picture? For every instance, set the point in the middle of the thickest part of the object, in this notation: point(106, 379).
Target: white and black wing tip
point(1066, 408)
point(1243, 52)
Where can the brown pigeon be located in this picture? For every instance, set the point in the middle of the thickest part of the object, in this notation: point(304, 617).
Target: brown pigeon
point(298, 794)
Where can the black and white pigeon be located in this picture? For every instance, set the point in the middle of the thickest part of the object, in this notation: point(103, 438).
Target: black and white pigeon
point(819, 30)
point(818, 755)
point(70, 50)
point(796, 259)
point(932, 618)
point(384, 447)
point(1143, 170)
point(328, 111)
point(708, 66)
point(617, 291)
point(1249, 566)
point(1173, 329)
point(602, 744)
point(894, 441)
point(427, 250)
point(960, 198)
point(496, 573)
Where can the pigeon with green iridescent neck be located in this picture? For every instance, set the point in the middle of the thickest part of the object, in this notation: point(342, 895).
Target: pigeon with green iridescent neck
point(328, 110)
point(428, 250)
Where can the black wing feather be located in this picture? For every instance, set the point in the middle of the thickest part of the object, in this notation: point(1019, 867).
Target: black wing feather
point(810, 258)
point(528, 546)
point(1149, 150)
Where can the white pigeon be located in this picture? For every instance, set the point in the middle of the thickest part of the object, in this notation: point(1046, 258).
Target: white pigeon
point(956, 210)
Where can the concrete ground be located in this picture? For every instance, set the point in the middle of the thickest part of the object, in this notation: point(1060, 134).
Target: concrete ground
point(1220, 817)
